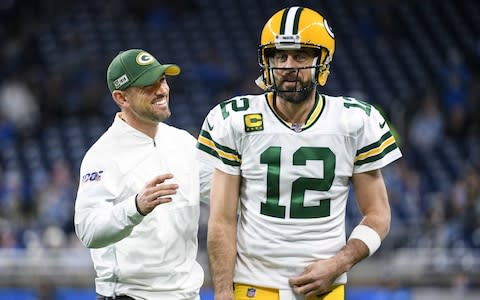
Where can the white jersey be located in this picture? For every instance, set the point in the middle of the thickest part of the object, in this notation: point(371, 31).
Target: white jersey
point(295, 180)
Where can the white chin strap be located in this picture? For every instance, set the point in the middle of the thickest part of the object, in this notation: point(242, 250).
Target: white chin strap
point(270, 72)
point(313, 71)
point(260, 82)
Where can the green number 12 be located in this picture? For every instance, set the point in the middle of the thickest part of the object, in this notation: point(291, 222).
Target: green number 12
point(271, 157)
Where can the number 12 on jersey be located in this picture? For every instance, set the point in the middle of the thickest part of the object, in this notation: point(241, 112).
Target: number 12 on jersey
point(272, 158)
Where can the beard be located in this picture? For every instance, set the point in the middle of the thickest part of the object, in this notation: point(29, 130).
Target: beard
point(149, 115)
point(298, 94)
point(156, 117)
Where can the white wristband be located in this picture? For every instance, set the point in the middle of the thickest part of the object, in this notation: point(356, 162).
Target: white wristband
point(367, 235)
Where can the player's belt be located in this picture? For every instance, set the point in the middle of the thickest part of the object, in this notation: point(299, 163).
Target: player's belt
point(120, 297)
point(250, 292)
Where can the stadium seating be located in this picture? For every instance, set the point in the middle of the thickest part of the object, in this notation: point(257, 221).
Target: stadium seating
point(388, 53)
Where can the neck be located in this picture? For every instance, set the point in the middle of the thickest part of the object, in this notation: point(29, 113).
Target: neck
point(295, 113)
point(148, 128)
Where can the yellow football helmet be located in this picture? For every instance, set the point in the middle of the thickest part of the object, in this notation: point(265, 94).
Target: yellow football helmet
point(295, 28)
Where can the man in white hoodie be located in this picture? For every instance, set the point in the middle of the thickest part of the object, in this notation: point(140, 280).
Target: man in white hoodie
point(137, 207)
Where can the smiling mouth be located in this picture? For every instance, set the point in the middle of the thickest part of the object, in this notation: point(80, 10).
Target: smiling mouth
point(160, 104)
point(160, 101)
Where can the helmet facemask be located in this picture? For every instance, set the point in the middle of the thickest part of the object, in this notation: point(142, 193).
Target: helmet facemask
point(269, 82)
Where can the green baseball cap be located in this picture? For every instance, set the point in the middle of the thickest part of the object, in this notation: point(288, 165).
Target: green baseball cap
point(136, 67)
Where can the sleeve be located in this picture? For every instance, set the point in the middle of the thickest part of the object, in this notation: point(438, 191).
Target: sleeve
point(217, 142)
point(103, 214)
point(205, 172)
point(376, 145)
point(205, 182)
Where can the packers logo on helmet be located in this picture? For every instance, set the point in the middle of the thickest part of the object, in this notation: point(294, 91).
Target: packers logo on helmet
point(295, 28)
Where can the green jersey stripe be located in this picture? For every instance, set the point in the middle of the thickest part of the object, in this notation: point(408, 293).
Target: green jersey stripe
point(215, 154)
point(374, 145)
point(378, 156)
point(207, 135)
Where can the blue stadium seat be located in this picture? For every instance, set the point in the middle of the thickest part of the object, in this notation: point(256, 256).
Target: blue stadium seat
point(17, 294)
point(74, 294)
point(206, 294)
point(373, 293)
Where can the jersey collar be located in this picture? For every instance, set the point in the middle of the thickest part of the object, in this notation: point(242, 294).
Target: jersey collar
point(312, 117)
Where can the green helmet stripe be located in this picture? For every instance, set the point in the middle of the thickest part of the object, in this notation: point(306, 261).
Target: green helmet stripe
point(284, 21)
point(290, 20)
point(297, 20)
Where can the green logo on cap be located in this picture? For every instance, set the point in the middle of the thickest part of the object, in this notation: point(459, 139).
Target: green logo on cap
point(144, 58)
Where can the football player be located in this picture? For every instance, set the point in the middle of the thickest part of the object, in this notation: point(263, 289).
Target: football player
point(284, 161)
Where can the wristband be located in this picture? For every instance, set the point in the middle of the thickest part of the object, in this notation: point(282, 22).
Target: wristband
point(136, 205)
point(367, 235)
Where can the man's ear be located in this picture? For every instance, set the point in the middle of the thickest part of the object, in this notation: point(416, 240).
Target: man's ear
point(119, 97)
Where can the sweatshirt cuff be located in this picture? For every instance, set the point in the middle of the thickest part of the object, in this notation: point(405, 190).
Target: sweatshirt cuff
point(131, 210)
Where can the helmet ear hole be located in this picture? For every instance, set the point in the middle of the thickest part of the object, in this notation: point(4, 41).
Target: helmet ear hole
point(265, 79)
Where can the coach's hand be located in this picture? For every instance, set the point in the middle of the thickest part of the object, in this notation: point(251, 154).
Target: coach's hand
point(156, 192)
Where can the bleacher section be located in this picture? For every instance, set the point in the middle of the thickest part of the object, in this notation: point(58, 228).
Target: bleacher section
point(389, 53)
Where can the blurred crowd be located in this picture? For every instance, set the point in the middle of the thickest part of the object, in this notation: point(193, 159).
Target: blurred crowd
point(434, 191)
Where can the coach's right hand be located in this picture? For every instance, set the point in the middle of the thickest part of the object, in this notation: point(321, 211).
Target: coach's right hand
point(156, 192)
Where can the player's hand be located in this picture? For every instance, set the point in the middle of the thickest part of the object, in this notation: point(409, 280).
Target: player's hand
point(156, 192)
point(316, 279)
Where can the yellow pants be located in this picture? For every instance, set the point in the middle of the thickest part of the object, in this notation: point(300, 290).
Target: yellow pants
point(250, 292)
